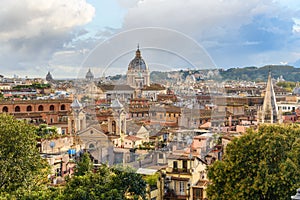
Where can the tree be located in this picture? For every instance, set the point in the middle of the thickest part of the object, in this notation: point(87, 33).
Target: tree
point(116, 183)
point(151, 180)
point(261, 164)
point(22, 168)
point(84, 165)
point(129, 183)
point(45, 132)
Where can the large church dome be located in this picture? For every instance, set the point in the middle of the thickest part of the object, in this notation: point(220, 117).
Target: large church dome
point(138, 62)
point(89, 75)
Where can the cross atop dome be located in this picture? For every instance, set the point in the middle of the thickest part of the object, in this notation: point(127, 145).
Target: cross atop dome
point(138, 52)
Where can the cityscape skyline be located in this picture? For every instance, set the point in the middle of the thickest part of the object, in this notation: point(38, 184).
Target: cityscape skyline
point(232, 33)
point(150, 99)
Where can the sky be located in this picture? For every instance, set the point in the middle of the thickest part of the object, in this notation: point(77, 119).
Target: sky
point(67, 37)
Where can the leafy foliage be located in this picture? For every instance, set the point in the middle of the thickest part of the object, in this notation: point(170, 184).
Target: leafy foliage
point(32, 86)
point(22, 169)
point(289, 86)
point(259, 165)
point(151, 180)
point(84, 165)
point(45, 132)
point(107, 183)
point(23, 173)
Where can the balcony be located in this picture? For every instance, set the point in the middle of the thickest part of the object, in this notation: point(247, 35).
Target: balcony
point(178, 170)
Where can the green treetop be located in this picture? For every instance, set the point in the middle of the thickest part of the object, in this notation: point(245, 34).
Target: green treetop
point(263, 164)
point(84, 165)
point(22, 168)
point(108, 183)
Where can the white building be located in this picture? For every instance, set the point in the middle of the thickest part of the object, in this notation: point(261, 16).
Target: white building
point(138, 74)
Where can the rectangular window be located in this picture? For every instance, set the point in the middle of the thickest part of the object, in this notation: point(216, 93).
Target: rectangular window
point(160, 156)
point(174, 188)
point(197, 193)
point(181, 187)
point(175, 165)
point(184, 165)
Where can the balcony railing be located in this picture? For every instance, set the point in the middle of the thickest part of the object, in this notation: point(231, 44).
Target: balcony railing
point(180, 170)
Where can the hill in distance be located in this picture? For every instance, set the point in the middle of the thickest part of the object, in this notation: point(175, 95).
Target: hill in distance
point(258, 74)
point(289, 73)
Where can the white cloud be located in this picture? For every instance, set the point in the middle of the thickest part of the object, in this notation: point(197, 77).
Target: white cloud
point(296, 27)
point(30, 18)
point(233, 31)
point(128, 3)
point(197, 18)
point(31, 31)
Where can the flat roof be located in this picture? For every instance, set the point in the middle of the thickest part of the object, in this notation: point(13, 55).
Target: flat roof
point(146, 171)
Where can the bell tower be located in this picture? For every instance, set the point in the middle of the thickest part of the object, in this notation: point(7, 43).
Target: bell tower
point(117, 122)
point(268, 113)
point(77, 119)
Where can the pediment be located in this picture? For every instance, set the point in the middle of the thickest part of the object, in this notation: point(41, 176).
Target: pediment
point(92, 132)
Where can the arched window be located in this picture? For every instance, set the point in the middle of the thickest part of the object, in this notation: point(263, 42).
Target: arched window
point(29, 108)
point(63, 107)
point(52, 107)
point(17, 109)
point(5, 109)
point(41, 108)
point(91, 146)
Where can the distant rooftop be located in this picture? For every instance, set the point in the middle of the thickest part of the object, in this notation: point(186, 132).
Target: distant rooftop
point(154, 86)
point(116, 87)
